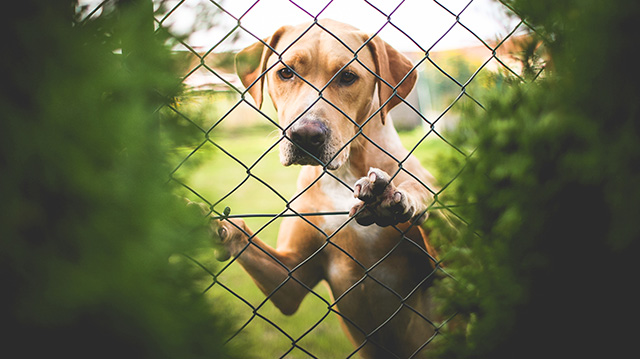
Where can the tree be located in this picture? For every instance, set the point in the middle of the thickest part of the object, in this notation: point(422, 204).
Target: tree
point(545, 266)
point(88, 222)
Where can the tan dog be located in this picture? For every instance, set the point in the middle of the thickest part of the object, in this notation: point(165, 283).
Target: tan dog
point(376, 260)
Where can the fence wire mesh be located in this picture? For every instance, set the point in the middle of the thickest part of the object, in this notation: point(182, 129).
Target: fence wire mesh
point(231, 156)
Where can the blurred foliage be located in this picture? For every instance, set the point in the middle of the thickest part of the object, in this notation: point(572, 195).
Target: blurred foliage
point(443, 91)
point(88, 223)
point(545, 266)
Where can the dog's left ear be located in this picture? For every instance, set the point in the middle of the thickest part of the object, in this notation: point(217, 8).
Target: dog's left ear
point(396, 75)
point(251, 63)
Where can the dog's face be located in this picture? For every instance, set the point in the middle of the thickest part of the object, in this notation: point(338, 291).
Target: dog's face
point(325, 84)
point(320, 93)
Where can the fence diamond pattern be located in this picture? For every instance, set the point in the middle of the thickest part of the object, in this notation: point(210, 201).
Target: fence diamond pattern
point(218, 168)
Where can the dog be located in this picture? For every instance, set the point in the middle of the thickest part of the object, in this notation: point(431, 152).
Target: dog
point(333, 86)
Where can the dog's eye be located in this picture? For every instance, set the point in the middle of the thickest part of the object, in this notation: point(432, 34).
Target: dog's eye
point(347, 78)
point(285, 73)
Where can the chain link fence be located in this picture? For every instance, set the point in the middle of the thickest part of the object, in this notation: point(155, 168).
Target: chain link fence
point(229, 159)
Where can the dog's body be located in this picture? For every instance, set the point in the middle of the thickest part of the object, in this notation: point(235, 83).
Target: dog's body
point(378, 264)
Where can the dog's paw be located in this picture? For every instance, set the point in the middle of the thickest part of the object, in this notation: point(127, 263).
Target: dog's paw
point(381, 202)
point(229, 237)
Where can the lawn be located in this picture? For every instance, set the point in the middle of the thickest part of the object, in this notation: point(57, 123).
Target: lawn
point(218, 176)
point(237, 183)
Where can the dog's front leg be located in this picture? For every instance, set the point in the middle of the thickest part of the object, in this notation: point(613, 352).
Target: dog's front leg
point(271, 269)
point(385, 204)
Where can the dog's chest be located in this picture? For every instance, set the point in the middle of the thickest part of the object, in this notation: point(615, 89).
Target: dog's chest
point(338, 191)
point(339, 198)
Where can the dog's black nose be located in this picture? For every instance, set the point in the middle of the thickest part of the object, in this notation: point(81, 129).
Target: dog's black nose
point(310, 135)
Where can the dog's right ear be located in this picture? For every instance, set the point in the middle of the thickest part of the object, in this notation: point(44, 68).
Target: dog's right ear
point(251, 64)
point(395, 72)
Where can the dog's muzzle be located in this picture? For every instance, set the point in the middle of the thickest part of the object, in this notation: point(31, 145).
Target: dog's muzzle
point(309, 142)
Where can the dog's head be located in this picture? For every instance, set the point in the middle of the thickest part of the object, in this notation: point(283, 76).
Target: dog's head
point(325, 80)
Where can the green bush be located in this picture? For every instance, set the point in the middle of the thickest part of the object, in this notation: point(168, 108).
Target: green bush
point(545, 267)
point(88, 223)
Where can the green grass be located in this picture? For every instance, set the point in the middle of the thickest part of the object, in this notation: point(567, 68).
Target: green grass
point(216, 175)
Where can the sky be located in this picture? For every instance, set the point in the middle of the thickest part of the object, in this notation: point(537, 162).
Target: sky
point(424, 22)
